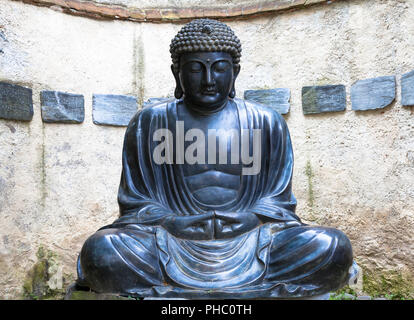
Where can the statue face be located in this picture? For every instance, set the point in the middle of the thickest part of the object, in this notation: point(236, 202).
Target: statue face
point(206, 78)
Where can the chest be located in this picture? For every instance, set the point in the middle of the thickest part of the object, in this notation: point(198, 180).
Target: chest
point(210, 169)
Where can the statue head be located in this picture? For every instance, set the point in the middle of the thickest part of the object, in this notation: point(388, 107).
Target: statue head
point(205, 55)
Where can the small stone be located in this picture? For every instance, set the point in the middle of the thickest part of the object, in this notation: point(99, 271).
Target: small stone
point(152, 101)
point(407, 89)
point(277, 99)
point(348, 296)
point(364, 298)
point(16, 102)
point(319, 99)
point(113, 110)
point(374, 93)
point(355, 280)
point(62, 107)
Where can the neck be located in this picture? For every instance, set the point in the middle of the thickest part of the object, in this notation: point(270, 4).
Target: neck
point(205, 110)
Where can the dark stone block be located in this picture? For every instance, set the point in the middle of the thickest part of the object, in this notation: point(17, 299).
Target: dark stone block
point(62, 107)
point(319, 99)
point(407, 89)
point(152, 101)
point(16, 102)
point(277, 99)
point(374, 93)
point(3, 41)
point(3, 36)
point(113, 110)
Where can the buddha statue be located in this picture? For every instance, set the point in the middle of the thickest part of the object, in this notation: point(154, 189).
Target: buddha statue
point(205, 198)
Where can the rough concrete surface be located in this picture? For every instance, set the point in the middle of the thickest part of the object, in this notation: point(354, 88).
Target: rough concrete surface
point(353, 171)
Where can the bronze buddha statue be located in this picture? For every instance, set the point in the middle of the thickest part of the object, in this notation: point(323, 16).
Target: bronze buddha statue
point(195, 221)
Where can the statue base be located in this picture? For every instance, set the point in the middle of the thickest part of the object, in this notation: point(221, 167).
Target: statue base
point(319, 297)
point(173, 293)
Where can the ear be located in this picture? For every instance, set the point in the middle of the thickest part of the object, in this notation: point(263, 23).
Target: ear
point(178, 93)
point(236, 71)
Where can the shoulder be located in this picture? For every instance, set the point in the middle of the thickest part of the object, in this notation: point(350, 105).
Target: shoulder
point(148, 112)
point(157, 105)
point(261, 110)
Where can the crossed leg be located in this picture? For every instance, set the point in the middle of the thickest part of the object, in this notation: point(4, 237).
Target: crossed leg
point(308, 255)
point(126, 259)
point(119, 261)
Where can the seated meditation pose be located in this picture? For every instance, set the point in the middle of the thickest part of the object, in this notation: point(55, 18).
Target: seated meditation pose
point(206, 202)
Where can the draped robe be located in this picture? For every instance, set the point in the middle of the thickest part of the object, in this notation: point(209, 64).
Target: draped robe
point(268, 261)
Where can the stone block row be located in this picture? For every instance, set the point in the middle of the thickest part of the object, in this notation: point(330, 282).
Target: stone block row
point(16, 103)
point(366, 94)
point(116, 110)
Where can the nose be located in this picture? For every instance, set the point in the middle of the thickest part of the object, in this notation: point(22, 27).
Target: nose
point(209, 77)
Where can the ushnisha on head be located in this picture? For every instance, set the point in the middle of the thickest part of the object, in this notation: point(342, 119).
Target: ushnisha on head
point(206, 55)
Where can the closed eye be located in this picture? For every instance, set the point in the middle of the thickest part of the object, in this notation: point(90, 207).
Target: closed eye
point(221, 66)
point(196, 67)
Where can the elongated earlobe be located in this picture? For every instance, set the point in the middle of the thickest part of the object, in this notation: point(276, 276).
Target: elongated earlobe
point(232, 93)
point(178, 93)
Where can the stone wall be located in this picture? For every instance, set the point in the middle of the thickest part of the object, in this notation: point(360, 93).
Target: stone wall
point(354, 170)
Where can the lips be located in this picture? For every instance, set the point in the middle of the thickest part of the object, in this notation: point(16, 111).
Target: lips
point(209, 91)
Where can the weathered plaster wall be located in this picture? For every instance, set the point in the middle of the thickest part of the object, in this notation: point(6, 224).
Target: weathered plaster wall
point(353, 170)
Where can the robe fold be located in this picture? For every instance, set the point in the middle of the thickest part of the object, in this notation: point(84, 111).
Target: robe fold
point(149, 191)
